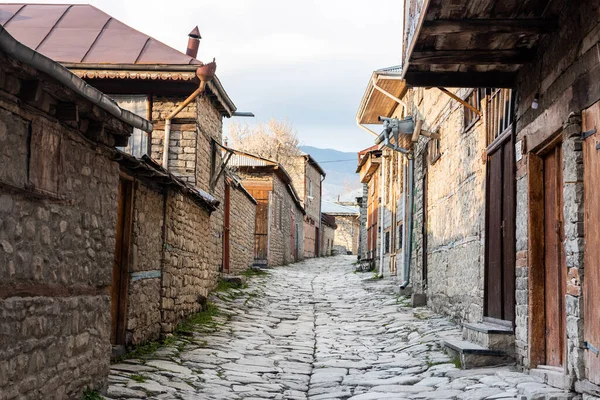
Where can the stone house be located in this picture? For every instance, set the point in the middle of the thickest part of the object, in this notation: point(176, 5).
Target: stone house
point(329, 227)
point(517, 201)
point(347, 219)
point(240, 222)
point(58, 211)
point(160, 274)
point(187, 103)
point(279, 227)
point(369, 161)
point(307, 176)
point(362, 221)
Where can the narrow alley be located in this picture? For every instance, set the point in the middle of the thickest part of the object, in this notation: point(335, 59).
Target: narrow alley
point(315, 330)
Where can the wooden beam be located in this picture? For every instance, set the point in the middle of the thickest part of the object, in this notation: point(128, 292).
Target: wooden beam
point(473, 57)
point(461, 79)
point(461, 101)
point(510, 26)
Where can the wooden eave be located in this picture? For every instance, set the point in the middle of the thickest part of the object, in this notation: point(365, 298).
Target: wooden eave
point(375, 103)
point(473, 43)
point(369, 167)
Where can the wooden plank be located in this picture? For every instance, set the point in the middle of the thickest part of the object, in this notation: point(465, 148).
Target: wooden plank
point(591, 284)
point(493, 277)
point(45, 161)
point(474, 57)
point(554, 273)
point(535, 256)
point(512, 26)
point(461, 79)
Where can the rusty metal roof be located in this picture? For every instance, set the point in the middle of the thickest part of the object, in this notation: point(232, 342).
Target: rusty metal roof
point(81, 33)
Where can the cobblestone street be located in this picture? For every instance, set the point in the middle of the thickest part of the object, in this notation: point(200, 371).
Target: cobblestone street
point(316, 330)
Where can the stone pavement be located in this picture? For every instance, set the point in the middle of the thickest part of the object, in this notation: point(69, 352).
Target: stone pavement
point(317, 330)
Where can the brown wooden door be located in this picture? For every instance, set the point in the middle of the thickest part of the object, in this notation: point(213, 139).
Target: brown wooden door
point(591, 283)
point(555, 270)
point(499, 299)
point(317, 247)
point(226, 229)
point(260, 192)
point(120, 275)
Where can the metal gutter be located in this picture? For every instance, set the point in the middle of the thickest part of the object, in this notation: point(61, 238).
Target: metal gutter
point(20, 52)
point(409, 222)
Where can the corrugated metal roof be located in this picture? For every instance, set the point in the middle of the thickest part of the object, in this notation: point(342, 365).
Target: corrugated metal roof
point(242, 160)
point(81, 33)
point(338, 209)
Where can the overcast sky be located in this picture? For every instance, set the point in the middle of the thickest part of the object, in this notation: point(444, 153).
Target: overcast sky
point(308, 61)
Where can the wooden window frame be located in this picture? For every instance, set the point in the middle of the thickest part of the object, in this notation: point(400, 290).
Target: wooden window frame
point(471, 118)
point(433, 156)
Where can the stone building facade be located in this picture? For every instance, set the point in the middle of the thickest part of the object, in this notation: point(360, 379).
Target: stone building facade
point(347, 218)
point(279, 229)
point(307, 177)
point(58, 211)
point(330, 226)
point(362, 235)
point(241, 230)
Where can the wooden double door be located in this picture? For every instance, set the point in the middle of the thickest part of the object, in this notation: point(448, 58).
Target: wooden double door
point(591, 284)
point(499, 293)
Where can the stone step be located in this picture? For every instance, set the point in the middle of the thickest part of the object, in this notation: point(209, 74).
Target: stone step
point(553, 376)
point(472, 355)
point(491, 336)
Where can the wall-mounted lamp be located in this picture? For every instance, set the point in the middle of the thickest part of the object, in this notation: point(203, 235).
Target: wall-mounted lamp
point(536, 102)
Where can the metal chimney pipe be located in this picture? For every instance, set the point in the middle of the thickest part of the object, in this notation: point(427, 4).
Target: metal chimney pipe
point(193, 43)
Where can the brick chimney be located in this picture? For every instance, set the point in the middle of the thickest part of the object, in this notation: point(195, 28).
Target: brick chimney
point(193, 43)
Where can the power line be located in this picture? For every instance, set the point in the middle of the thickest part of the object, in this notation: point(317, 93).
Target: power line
point(330, 161)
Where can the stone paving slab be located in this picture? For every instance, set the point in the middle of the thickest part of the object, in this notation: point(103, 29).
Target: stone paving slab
point(317, 330)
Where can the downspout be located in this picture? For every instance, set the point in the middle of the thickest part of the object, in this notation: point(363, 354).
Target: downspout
point(381, 212)
point(404, 212)
point(205, 73)
point(409, 223)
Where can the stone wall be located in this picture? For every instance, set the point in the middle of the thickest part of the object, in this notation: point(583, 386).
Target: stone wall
point(456, 210)
point(346, 234)
point(241, 234)
point(327, 240)
point(56, 255)
point(189, 268)
point(282, 208)
point(312, 206)
point(564, 78)
point(143, 301)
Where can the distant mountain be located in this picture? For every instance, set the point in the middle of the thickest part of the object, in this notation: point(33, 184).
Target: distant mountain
point(341, 180)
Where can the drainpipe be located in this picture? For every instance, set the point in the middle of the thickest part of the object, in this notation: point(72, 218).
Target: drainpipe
point(205, 73)
point(404, 211)
point(409, 222)
point(381, 211)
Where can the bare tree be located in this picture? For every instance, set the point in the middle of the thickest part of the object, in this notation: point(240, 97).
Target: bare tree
point(274, 140)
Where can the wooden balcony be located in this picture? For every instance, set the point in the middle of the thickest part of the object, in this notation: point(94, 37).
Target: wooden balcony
point(369, 167)
point(473, 43)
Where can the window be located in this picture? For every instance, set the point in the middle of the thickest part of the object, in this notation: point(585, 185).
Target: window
point(400, 235)
point(387, 242)
point(499, 113)
point(470, 116)
point(138, 141)
point(433, 150)
point(310, 190)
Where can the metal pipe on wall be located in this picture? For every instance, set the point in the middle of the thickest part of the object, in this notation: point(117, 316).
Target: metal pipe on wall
point(381, 212)
point(404, 214)
point(408, 255)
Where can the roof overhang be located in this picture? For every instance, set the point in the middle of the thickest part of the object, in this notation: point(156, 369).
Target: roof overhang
point(384, 89)
point(472, 43)
point(164, 74)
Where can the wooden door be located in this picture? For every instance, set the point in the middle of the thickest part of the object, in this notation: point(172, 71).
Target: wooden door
point(591, 283)
point(261, 193)
point(226, 229)
point(317, 242)
point(499, 297)
point(555, 270)
point(120, 275)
